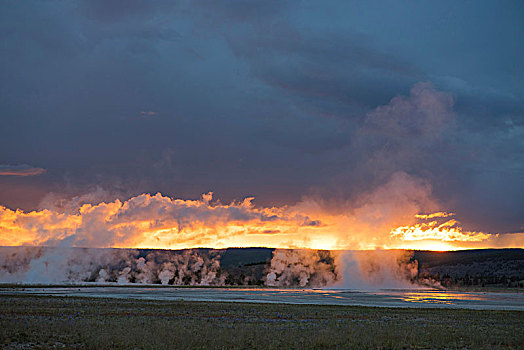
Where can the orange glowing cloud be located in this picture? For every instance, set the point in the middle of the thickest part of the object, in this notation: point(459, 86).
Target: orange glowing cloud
point(20, 170)
point(448, 235)
point(384, 218)
point(154, 221)
point(445, 232)
point(439, 214)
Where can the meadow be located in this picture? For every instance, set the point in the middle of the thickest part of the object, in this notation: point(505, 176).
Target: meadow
point(95, 323)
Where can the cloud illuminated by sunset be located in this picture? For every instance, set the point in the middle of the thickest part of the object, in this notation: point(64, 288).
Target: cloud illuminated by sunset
point(20, 170)
point(157, 221)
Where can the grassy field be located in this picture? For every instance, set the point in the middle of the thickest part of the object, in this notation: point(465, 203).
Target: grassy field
point(58, 322)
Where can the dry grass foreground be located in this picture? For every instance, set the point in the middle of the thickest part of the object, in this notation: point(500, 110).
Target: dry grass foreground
point(93, 323)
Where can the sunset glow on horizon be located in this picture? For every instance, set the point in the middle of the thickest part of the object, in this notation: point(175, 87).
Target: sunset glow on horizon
point(161, 222)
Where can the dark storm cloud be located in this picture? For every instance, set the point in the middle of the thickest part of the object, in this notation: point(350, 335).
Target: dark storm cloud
point(270, 99)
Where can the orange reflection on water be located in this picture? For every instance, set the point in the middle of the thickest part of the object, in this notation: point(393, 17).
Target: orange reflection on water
point(439, 297)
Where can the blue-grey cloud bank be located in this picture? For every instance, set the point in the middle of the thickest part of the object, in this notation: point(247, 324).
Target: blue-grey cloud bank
point(277, 100)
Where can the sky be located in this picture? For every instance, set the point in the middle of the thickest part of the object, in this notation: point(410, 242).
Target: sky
point(342, 110)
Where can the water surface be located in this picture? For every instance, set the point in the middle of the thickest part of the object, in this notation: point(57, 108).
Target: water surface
point(419, 298)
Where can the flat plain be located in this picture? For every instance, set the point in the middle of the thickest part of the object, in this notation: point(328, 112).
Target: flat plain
point(31, 321)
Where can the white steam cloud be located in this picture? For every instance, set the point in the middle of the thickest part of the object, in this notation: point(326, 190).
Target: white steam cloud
point(362, 270)
point(70, 265)
point(202, 267)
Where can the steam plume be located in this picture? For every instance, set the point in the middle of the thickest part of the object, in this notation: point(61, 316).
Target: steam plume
point(68, 265)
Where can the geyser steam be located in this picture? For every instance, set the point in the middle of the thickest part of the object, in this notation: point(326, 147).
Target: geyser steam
point(202, 267)
point(65, 265)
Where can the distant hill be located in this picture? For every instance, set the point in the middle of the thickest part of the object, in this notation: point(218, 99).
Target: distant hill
point(480, 267)
point(431, 259)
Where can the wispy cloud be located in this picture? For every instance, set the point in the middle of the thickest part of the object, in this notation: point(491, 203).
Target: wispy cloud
point(20, 170)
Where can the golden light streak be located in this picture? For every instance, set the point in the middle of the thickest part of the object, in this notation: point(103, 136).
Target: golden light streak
point(446, 232)
point(433, 245)
point(439, 214)
point(447, 235)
